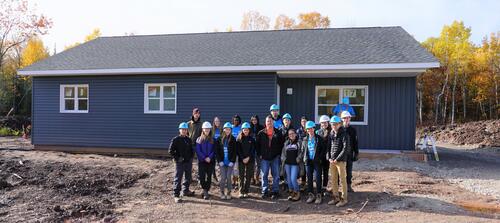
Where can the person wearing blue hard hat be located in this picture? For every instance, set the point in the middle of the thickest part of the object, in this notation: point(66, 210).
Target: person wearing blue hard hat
point(181, 149)
point(337, 157)
point(352, 146)
point(287, 124)
point(275, 114)
point(245, 149)
point(324, 133)
point(269, 143)
point(313, 149)
point(344, 106)
point(225, 151)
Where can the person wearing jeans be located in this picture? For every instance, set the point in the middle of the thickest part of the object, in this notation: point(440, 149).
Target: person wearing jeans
point(226, 156)
point(312, 147)
point(269, 144)
point(181, 149)
point(291, 158)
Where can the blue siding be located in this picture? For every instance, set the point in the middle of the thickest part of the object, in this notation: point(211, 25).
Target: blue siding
point(116, 107)
point(391, 108)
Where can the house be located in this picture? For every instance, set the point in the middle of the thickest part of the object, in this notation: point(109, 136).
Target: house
point(128, 93)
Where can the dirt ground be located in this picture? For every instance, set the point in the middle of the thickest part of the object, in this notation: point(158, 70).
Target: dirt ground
point(38, 186)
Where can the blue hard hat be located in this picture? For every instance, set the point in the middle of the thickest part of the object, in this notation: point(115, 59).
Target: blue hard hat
point(345, 100)
point(310, 124)
point(228, 125)
point(335, 119)
point(183, 125)
point(274, 107)
point(245, 125)
point(287, 116)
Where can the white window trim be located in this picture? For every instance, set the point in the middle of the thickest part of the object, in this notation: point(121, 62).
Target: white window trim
point(340, 87)
point(161, 85)
point(62, 100)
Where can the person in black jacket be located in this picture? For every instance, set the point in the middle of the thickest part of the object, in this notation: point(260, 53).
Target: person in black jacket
point(255, 128)
point(225, 151)
point(324, 133)
point(269, 144)
point(312, 147)
point(245, 149)
point(337, 156)
point(291, 160)
point(352, 144)
point(181, 149)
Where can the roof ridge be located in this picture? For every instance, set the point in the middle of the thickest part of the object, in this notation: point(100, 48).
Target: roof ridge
point(251, 31)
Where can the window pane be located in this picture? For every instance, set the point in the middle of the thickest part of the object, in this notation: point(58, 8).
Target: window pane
point(154, 104)
point(325, 110)
point(356, 96)
point(69, 104)
point(168, 91)
point(82, 92)
point(328, 96)
point(359, 114)
point(169, 104)
point(82, 104)
point(69, 92)
point(154, 91)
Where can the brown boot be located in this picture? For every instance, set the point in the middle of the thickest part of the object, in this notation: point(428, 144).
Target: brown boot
point(296, 196)
point(290, 195)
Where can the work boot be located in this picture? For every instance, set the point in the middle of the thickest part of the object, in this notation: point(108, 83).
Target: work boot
point(296, 196)
point(342, 203)
point(275, 195)
point(242, 195)
point(205, 195)
point(335, 200)
point(290, 195)
point(349, 188)
point(318, 199)
point(310, 198)
point(188, 193)
point(228, 196)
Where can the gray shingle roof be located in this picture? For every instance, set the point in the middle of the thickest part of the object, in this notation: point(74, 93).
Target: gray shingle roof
point(335, 46)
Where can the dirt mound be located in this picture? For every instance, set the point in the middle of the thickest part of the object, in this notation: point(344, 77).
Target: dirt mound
point(480, 133)
point(85, 191)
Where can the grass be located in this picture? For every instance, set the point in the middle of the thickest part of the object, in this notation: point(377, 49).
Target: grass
point(6, 131)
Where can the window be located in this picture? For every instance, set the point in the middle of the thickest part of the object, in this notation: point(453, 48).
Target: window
point(160, 98)
point(74, 98)
point(328, 97)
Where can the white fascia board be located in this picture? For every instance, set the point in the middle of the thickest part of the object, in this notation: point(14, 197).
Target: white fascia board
point(357, 68)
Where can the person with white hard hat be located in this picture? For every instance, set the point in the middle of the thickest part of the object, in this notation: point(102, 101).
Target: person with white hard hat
point(324, 133)
point(205, 151)
point(352, 146)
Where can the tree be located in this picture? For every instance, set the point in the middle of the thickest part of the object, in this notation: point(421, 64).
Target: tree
point(18, 23)
point(284, 22)
point(33, 52)
point(312, 20)
point(93, 35)
point(253, 20)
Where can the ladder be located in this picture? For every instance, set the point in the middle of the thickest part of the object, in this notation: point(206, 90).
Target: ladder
point(423, 144)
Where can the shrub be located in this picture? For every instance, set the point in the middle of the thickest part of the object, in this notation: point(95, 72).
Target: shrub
point(5, 131)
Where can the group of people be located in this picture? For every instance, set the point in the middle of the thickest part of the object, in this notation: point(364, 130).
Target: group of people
point(253, 150)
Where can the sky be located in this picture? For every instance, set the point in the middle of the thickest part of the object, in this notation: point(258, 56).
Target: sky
point(73, 20)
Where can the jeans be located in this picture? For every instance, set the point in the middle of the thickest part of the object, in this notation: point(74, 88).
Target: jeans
point(182, 170)
point(338, 171)
point(274, 165)
point(313, 172)
point(246, 174)
point(205, 171)
point(292, 171)
point(226, 173)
